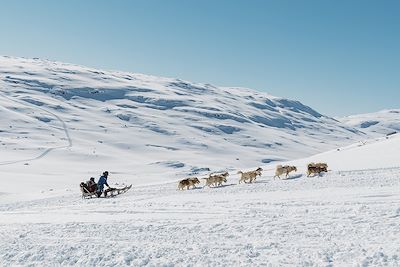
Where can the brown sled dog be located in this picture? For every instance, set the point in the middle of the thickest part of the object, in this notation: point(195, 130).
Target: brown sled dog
point(188, 182)
point(316, 168)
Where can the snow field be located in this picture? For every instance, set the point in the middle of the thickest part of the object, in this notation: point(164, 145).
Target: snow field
point(340, 219)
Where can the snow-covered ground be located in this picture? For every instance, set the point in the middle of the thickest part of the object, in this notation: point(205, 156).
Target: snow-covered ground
point(343, 218)
point(62, 123)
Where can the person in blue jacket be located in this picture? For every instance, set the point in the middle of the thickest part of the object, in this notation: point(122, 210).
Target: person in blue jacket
point(100, 184)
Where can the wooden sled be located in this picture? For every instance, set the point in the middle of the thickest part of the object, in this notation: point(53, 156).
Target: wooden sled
point(110, 192)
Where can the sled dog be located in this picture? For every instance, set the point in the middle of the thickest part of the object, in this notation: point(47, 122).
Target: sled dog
point(216, 179)
point(286, 169)
point(188, 182)
point(250, 175)
point(316, 168)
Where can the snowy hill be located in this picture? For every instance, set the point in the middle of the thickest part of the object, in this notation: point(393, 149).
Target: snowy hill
point(57, 116)
point(375, 124)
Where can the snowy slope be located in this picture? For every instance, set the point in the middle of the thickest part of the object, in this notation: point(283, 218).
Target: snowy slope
point(375, 124)
point(61, 123)
point(347, 217)
point(374, 153)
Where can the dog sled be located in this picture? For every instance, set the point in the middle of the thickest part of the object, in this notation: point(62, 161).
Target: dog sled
point(110, 192)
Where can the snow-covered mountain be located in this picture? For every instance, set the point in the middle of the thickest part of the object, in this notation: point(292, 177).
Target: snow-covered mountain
point(92, 119)
point(375, 124)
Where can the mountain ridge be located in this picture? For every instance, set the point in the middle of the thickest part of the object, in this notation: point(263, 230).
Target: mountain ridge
point(379, 123)
point(131, 120)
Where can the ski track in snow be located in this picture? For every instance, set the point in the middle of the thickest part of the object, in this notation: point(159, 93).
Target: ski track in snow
point(341, 219)
point(47, 150)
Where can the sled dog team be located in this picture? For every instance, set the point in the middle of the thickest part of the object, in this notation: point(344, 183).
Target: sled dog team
point(250, 176)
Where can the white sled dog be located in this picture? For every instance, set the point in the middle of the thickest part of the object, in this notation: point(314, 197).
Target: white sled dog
point(216, 179)
point(250, 175)
point(284, 170)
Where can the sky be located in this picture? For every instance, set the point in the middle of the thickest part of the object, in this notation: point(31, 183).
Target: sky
point(339, 57)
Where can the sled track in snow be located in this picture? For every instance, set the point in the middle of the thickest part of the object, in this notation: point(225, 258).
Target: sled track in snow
point(47, 150)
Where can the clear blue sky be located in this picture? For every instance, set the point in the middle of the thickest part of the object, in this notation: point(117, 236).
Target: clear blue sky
point(340, 57)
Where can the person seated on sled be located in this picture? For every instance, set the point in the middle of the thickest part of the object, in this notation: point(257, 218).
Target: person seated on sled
point(91, 185)
point(100, 184)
